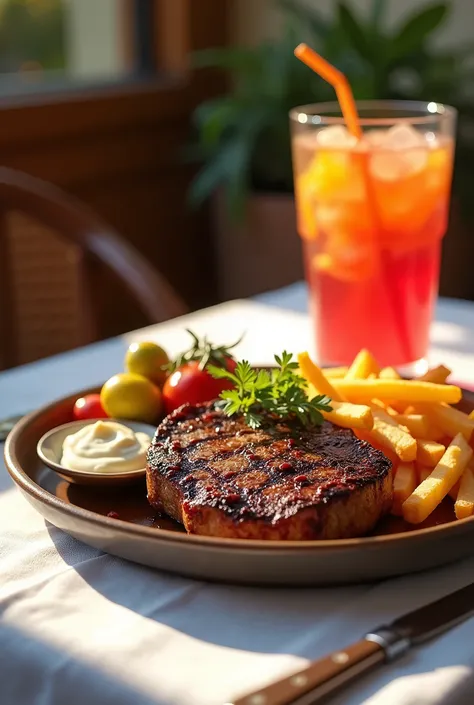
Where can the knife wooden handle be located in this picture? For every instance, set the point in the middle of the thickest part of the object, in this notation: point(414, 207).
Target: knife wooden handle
point(321, 678)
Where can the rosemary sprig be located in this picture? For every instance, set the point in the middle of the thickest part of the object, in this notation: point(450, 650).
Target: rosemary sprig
point(281, 391)
point(204, 351)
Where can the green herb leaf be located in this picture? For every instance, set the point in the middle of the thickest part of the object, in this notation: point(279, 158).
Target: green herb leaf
point(221, 373)
point(206, 353)
point(281, 392)
point(253, 420)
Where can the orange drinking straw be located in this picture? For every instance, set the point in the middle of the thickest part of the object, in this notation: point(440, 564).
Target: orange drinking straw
point(337, 80)
point(345, 97)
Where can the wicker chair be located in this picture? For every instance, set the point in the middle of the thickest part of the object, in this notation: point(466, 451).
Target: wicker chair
point(49, 245)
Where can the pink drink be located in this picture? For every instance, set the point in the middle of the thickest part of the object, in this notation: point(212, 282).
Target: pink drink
point(372, 215)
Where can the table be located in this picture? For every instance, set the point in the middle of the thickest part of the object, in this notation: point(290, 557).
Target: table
point(79, 626)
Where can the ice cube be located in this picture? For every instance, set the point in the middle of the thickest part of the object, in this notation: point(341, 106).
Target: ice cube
point(401, 136)
point(415, 159)
point(329, 215)
point(394, 165)
point(387, 166)
point(336, 137)
point(374, 138)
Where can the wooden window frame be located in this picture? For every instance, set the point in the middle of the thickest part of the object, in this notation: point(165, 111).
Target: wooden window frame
point(180, 27)
point(117, 148)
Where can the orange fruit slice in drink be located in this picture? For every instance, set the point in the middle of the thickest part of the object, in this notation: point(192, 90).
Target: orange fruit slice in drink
point(438, 171)
point(306, 206)
point(347, 262)
point(409, 201)
point(337, 176)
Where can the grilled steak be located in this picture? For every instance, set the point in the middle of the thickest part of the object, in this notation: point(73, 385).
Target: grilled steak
point(219, 477)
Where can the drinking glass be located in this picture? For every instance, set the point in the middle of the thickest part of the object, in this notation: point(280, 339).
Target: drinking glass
point(371, 214)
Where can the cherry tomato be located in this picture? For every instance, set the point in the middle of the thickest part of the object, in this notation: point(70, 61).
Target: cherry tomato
point(89, 407)
point(191, 385)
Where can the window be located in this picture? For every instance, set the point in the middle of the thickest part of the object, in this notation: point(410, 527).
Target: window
point(63, 43)
point(113, 141)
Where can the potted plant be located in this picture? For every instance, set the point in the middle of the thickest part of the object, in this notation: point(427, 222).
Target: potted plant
point(243, 137)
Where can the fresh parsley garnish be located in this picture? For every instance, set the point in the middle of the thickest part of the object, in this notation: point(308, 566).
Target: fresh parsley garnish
point(281, 391)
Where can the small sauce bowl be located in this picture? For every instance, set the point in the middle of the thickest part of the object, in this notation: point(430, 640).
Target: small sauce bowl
point(50, 448)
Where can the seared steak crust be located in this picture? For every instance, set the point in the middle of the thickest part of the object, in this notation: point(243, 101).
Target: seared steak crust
point(219, 477)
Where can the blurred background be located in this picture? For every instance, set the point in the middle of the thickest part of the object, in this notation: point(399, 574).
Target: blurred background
point(168, 121)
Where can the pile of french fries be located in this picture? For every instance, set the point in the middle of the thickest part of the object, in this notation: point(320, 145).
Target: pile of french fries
point(412, 421)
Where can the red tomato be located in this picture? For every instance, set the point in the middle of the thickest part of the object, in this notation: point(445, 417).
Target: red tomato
point(88, 407)
point(190, 385)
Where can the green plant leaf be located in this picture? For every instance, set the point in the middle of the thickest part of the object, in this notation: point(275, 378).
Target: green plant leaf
point(308, 17)
point(238, 181)
point(417, 28)
point(354, 32)
point(233, 58)
point(335, 44)
point(250, 124)
point(214, 116)
point(377, 13)
point(193, 153)
point(214, 173)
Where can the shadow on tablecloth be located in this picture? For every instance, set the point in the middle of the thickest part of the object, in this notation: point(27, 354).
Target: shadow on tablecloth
point(246, 617)
point(33, 672)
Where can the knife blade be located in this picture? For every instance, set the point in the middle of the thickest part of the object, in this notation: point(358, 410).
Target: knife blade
point(382, 645)
point(6, 426)
point(436, 617)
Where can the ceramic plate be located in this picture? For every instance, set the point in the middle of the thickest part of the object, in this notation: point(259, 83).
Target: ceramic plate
point(140, 535)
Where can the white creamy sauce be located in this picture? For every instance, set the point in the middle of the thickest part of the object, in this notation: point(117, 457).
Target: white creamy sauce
point(105, 447)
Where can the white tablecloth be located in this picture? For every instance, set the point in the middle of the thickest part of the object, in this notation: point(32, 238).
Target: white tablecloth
point(79, 626)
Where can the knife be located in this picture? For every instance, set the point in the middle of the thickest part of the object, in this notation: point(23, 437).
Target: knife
point(6, 426)
point(323, 677)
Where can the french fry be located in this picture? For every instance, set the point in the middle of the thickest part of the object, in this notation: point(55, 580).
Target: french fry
point(332, 372)
point(391, 373)
point(426, 497)
point(429, 453)
point(315, 376)
point(360, 390)
point(363, 366)
point(390, 435)
point(412, 422)
point(464, 504)
point(438, 375)
point(417, 424)
point(367, 436)
point(404, 483)
point(388, 373)
point(391, 411)
point(350, 415)
point(423, 472)
point(436, 434)
point(382, 405)
point(450, 421)
point(397, 406)
point(454, 491)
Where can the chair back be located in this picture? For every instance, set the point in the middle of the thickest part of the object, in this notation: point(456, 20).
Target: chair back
point(50, 247)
